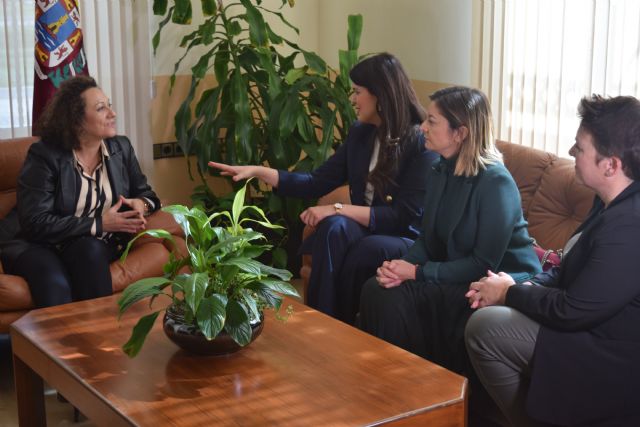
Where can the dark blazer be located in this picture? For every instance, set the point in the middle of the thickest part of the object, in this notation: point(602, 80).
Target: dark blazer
point(487, 228)
point(399, 211)
point(586, 365)
point(46, 193)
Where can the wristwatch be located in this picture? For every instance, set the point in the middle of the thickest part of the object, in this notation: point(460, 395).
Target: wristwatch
point(337, 206)
point(147, 207)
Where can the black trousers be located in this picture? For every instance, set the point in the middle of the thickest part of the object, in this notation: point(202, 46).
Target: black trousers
point(424, 318)
point(344, 255)
point(78, 271)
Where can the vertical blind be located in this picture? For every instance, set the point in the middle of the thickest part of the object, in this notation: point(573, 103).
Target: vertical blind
point(117, 46)
point(540, 57)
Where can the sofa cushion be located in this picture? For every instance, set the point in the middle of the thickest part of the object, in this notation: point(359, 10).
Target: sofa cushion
point(559, 205)
point(526, 165)
point(12, 155)
point(553, 202)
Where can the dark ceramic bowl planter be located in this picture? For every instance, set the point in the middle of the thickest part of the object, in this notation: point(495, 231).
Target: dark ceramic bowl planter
point(189, 337)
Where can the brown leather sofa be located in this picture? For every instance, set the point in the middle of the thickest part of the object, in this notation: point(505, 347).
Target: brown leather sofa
point(553, 202)
point(145, 259)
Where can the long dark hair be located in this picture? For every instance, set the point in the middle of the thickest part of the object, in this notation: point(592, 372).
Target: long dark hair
point(61, 121)
point(398, 107)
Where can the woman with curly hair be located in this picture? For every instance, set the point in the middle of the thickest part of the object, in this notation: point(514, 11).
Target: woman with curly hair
point(80, 196)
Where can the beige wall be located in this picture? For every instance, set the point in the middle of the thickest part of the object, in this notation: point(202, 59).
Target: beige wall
point(432, 38)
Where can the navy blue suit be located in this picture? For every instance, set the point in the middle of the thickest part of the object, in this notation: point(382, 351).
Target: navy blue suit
point(344, 252)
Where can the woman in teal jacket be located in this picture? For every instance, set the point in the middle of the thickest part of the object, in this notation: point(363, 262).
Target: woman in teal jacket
point(472, 223)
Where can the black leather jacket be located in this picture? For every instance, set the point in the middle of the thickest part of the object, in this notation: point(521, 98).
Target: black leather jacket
point(47, 190)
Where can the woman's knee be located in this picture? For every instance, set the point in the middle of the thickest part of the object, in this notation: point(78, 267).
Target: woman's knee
point(374, 249)
point(46, 276)
point(88, 249)
point(490, 327)
point(340, 228)
point(485, 320)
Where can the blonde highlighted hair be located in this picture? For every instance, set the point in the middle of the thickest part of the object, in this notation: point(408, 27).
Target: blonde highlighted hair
point(468, 107)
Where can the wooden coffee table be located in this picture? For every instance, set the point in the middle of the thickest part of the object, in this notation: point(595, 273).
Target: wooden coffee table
point(311, 370)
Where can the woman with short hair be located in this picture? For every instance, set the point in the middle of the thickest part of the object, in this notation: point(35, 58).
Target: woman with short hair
point(563, 347)
point(472, 223)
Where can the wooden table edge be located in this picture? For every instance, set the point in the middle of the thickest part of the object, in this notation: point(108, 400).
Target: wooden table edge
point(33, 362)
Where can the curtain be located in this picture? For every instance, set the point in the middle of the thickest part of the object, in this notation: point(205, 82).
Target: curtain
point(540, 57)
point(16, 67)
point(117, 45)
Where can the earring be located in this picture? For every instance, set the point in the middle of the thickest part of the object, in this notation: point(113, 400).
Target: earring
point(378, 108)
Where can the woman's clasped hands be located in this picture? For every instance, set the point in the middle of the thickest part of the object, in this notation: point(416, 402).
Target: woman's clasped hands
point(490, 290)
point(392, 273)
point(131, 221)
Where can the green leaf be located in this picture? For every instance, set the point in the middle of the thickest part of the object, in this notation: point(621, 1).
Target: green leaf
point(182, 119)
point(280, 286)
point(257, 27)
point(271, 299)
point(305, 127)
point(160, 234)
point(228, 272)
point(354, 31)
point(234, 28)
point(182, 13)
point(139, 290)
point(209, 7)
point(273, 37)
point(194, 286)
point(238, 204)
point(243, 121)
point(348, 59)
point(159, 7)
point(221, 64)
point(156, 37)
point(237, 323)
point(200, 69)
point(292, 109)
point(139, 334)
point(279, 257)
point(277, 272)
point(245, 264)
point(250, 301)
point(316, 63)
point(295, 74)
point(211, 315)
point(266, 61)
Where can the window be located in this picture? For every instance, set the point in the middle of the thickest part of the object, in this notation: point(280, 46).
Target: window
point(117, 46)
point(540, 57)
point(16, 63)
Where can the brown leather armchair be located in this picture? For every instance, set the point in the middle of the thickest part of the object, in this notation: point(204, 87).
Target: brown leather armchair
point(553, 202)
point(146, 259)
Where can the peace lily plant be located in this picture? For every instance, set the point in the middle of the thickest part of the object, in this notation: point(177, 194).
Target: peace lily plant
point(226, 288)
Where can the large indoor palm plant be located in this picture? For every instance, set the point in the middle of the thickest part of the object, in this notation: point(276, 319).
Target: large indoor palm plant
point(273, 103)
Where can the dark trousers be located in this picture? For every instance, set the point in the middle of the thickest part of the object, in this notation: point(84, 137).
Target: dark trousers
point(426, 319)
point(344, 255)
point(77, 272)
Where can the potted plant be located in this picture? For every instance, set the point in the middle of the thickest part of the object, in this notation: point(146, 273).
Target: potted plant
point(219, 290)
point(273, 102)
